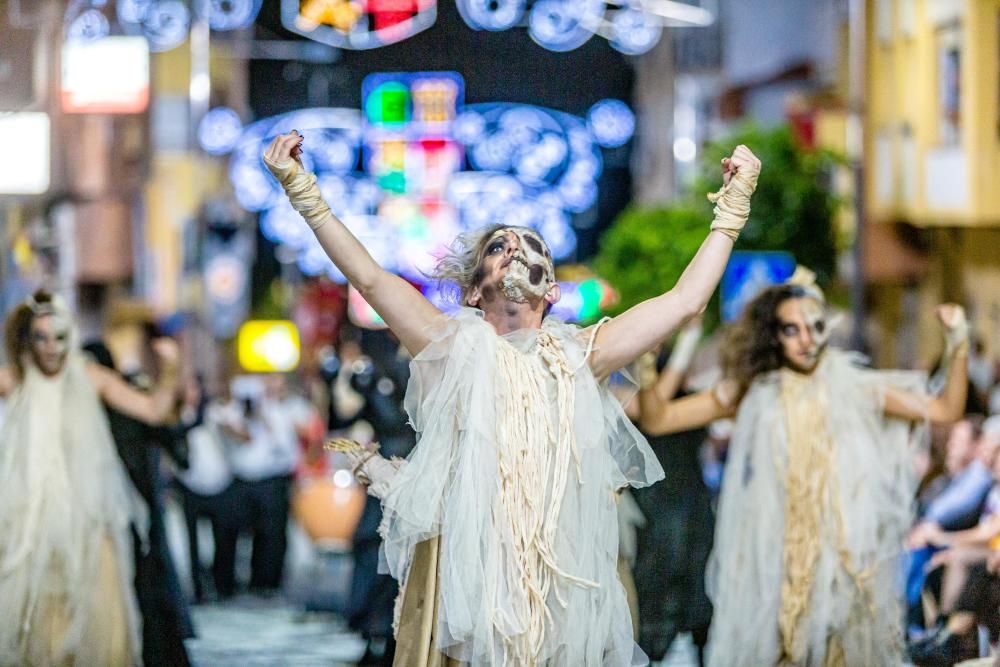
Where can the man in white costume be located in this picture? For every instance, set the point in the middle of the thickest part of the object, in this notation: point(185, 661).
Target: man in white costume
point(66, 503)
point(819, 486)
point(501, 524)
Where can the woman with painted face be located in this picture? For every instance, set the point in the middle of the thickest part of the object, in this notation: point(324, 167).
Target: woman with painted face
point(819, 485)
point(501, 524)
point(66, 504)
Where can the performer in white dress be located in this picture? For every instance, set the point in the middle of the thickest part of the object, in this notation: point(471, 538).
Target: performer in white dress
point(501, 525)
point(818, 489)
point(66, 504)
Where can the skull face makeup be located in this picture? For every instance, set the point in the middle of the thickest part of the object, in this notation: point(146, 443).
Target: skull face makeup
point(530, 271)
point(803, 332)
point(49, 342)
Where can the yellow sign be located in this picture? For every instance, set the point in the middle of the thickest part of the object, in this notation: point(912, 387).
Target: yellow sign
point(268, 346)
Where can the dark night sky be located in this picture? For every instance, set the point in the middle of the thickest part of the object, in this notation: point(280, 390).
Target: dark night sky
point(497, 67)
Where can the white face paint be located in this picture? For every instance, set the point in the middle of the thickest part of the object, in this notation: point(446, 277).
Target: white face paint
point(49, 342)
point(803, 332)
point(530, 272)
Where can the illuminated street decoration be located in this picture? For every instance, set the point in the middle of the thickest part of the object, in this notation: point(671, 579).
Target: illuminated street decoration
point(611, 122)
point(634, 32)
point(411, 153)
point(551, 153)
point(166, 23)
point(26, 134)
point(583, 301)
point(226, 15)
point(333, 146)
point(408, 130)
point(493, 15)
point(416, 167)
point(358, 24)
point(564, 25)
point(219, 131)
point(268, 346)
point(630, 26)
point(107, 75)
point(86, 21)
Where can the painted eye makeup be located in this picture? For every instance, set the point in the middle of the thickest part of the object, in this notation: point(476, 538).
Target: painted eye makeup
point(534, 243)
point(494, 247)
point(789, 330)
point(820, 326)
point(38, 337)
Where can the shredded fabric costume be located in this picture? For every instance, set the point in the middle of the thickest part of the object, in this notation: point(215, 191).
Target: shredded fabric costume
point(502, 523)
point(65, 510)
point(815, 506)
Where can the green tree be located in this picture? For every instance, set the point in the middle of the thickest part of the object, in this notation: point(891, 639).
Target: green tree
point(793, 209)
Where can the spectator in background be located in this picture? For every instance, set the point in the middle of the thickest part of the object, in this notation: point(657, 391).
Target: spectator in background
point(965, 591)
point(204, 487)
point(378, 384)
point(263, 428)
point(166, 622)
point(956, 507)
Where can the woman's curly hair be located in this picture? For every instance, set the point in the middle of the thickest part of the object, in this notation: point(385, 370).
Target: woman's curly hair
point(17, 332)
point(751, 345)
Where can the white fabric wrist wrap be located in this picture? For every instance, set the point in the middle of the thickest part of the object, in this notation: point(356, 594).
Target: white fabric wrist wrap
point(302, 191)
point(732, 202)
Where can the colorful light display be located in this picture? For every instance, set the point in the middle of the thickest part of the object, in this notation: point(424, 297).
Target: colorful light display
point(268, 346)
point(106, 75)
point(165, 23)
point(358, 24)
point(416, 167)
point(611, 122)
point(219, 131)
point(408, 130)
point(493, 15)
point(630, 26)
point(583, 301)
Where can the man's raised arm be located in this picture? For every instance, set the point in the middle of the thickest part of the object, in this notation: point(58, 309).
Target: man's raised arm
point(403, 308)
point(642, 327)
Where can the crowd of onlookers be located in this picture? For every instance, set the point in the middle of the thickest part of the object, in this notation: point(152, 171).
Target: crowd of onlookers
point(953, 577)
point(247, 450)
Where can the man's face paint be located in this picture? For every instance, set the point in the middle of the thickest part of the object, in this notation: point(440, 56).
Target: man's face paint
point(525, 263)
point(49, 343)
point(803, 332)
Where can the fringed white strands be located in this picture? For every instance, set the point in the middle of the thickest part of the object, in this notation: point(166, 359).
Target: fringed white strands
point(529, 454)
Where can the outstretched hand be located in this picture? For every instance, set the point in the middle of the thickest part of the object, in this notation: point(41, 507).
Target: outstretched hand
point(956, 326)
point(285, 147)
point(166, 350)
point(741, 159)
point(282, 157)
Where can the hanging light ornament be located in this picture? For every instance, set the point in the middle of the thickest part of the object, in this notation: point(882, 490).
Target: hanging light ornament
point(632, 27)
point(493, 15)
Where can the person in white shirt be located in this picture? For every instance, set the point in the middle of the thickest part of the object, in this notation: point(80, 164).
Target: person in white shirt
point(263, 437)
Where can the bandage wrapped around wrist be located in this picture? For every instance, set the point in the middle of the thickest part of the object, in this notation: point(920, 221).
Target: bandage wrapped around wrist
point(732, 202)
point(302, 190)
point(374, 470)
point(956, 337)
